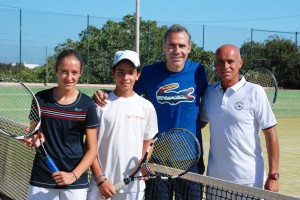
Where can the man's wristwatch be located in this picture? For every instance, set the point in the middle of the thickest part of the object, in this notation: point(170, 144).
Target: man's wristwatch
point(274, 176)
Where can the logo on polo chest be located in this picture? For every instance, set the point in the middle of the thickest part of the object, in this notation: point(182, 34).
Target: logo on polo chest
point(239, 105)
point(169, 94)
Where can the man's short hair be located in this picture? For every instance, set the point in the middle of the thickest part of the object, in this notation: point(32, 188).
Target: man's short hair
point(175, 28)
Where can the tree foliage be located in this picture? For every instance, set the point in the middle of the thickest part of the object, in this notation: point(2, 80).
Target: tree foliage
point(281, 56)
point(98, 45)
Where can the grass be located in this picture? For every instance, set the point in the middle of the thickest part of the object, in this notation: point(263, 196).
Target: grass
point(287, 104)
point(287, 111)
point(288, 130)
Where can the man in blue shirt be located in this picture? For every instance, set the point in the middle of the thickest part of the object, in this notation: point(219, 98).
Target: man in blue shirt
point(174, 87)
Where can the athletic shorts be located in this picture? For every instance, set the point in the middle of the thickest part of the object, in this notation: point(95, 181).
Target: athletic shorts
point(40, 193)
point(94, 194)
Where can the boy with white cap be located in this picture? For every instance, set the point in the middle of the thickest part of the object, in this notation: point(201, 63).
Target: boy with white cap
point(127, 125)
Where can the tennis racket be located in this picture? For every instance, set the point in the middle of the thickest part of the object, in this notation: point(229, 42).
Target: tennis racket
point(20, 115)
point(263, 77)
point(177, 148)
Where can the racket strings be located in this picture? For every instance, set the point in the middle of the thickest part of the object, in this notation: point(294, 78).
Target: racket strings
point(266, 79)
point(260, 77)
point(175, 150)
point(19, 111)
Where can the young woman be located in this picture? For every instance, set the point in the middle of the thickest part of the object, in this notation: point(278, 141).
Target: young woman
point(67, 116)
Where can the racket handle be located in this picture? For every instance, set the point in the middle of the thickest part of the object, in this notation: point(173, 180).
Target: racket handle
point(50, 163)
point(120, 185)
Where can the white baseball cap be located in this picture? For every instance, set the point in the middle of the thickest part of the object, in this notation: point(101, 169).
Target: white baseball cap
point(127, 54)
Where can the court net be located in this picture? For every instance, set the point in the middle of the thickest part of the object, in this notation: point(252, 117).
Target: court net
point(16, 163)
point(194, 186)
point(15, 168)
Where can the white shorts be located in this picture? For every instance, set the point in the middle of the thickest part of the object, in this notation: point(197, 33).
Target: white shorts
point(39, 193)
point(94, 194)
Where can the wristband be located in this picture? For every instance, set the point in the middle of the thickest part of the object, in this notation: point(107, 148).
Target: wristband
point(99, 184)
point(97, 178)
point(74, 175)
point(274, 176)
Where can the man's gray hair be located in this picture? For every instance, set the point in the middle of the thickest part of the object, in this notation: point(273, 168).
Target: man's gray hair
point(175, 28)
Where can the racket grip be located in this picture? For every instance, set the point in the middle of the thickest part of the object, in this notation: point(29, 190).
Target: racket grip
point(50, 163)
point(120, 185)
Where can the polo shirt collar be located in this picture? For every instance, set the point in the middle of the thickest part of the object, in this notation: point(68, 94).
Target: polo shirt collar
point(235, 87)
point(239, 84)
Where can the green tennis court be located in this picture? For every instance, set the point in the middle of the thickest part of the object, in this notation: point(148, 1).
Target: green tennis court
point(287, 111)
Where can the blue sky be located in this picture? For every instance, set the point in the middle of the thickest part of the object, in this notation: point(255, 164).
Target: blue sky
point(221, 17)
point(261, 14)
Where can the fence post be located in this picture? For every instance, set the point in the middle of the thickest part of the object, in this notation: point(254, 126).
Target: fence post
point(203, 33)
point(137, 28)
point(88, 49)
point(296, 38)
point(20, 59)
point(251, 57)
